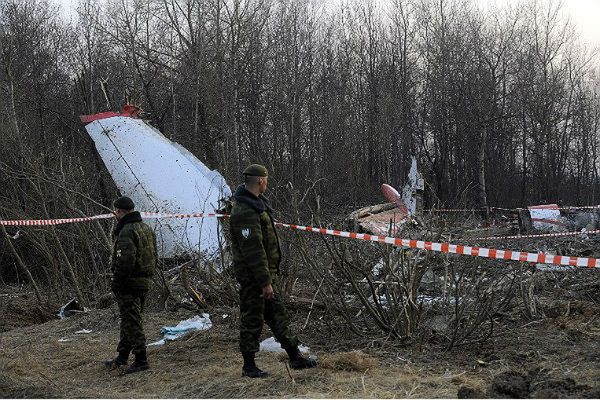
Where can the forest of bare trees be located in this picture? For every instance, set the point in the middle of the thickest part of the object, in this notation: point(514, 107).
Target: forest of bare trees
point(501, 108)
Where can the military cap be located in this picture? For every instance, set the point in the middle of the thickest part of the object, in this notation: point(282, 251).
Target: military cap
point(255, 170)
point(124, 203)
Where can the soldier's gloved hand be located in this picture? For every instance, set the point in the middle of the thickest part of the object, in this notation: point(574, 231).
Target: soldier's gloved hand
point(267, 292)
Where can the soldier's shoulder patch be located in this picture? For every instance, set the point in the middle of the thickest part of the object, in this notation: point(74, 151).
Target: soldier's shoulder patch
point(246, 232)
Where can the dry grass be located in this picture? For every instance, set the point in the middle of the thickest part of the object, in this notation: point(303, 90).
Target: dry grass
point(349, 361)
point(207, 364)
point(33, 363)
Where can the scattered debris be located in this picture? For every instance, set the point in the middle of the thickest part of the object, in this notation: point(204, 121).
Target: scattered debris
point(546, 218)
point(83, 331)
point(551, 218)
point(547, 267)
point(273, 346)
point(72, 307)
point(389, 218)
point(412, 192)
point(393, 196)
point(196, 323)
point(380, 219)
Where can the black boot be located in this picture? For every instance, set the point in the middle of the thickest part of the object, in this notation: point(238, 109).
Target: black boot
point(118, 362)
point(299, 362)
point(250, 369)
point(140, 363)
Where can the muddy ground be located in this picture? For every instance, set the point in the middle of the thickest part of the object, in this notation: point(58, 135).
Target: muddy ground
point(550, 357)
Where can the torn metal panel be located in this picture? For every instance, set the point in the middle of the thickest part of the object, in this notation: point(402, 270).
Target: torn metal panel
point(161, 176)
point(70, 308)
point(384, 223)
point(551, 218)
point(546, 218)
point(382, 219)
point(412, 192)
point(393, 196)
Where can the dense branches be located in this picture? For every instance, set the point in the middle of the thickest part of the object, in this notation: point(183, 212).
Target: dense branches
point(500, 107)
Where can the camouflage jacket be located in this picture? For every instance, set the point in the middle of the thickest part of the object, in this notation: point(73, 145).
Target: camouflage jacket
point(255, 244)
point(134, 255)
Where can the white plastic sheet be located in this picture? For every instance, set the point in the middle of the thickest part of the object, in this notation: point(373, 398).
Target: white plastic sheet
point(196, 323)
point(272, 345)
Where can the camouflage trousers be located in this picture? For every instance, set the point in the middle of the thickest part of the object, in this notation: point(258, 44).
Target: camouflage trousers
point(255, 311)
point(133, 339)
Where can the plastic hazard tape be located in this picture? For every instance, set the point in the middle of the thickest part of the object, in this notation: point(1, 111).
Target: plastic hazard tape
point(470, 210)
point(537, 235)
point(60, 221)
point(194, 215)
point(416, 244)
point(458, 210)
point(457, 249)
point(578, 207)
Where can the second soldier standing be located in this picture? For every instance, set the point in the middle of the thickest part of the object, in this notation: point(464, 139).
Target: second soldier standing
point(256, 258)
point(134, 262)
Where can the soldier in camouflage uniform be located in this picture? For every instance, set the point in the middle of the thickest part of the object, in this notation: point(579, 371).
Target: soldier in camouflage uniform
point(256, 257)
point(134, 262)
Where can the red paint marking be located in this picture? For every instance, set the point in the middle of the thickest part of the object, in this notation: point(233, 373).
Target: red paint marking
point(492, 253)
point(412, 243)
point(128, 111)
point(548, 221)
point(460, 249)
point(475, 251)
point(445, 247)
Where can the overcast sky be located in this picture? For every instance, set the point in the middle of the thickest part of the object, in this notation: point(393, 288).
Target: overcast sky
point(584, 13)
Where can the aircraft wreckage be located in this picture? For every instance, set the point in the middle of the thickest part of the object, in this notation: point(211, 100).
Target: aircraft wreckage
point(160, 176)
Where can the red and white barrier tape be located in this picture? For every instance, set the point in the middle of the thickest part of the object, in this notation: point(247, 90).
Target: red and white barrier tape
point(537, 235)
point(193, 215)
point(457, 249)
point(506, 209)
point(416, 244)
point(60, 221)
point(434, 210)
point(578, 207)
